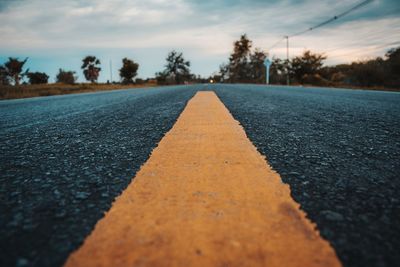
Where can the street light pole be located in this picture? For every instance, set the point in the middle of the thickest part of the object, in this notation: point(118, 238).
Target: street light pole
point(111, 72)
point(287, 60)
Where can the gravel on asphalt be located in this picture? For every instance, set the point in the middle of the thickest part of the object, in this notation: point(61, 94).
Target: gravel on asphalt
point(339, 150)
point(65, 158)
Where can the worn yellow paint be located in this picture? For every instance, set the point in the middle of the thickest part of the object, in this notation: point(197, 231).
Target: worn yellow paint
point(205, 197)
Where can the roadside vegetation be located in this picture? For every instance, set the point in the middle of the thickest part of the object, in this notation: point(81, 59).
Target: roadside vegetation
point(91, 68)
point(65, 77)
point(18, 82)
point(29, 90)
point(244, 65)
point(177, 71)
point(128, 71)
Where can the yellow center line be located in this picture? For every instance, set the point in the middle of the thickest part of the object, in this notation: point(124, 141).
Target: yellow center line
point(205, 197)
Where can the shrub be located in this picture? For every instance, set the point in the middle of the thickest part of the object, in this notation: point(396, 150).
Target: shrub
point(37, 77)
point(67, 77)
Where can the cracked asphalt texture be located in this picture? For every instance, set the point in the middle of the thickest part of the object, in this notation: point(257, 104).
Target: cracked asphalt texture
point(65, 158)
point(339, 150)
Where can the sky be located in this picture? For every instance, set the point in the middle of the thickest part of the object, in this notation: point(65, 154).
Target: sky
point(59, 33)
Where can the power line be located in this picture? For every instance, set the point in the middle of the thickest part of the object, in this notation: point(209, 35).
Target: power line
point(366, 2)
point(275, 44)
point(334, 18)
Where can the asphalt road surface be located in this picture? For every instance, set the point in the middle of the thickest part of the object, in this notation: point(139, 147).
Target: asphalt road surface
point(339, 150)
point(65, 158)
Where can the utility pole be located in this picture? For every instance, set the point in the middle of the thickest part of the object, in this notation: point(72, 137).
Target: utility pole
point(111, 80)
point(287, 60)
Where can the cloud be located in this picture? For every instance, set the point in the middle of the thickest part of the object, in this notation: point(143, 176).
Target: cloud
point(205, 30)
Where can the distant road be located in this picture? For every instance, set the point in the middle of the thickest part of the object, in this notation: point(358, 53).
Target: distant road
point(65, 158)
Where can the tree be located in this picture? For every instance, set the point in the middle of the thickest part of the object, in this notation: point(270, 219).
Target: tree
point(238, 61)
point(139, 81)
point(13, 70)
point(128, 70)
point(244, 66)
point(91, 68)
point(337, 74)
point(224, 72)
point(164, 78)
point(257, 67)
point(176, 69)
point(368, 73)
point(307, 64)
point(278, 71)
point(393, 67)
point(4, 80)
point(67, 77)
point(37, 77)
point(393, 59)
point(373, 72)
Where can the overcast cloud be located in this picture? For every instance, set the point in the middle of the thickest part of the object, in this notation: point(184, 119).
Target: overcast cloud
point(58, 33)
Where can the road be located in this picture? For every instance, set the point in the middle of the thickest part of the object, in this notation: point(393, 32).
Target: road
point(340, 152)
point(65, 158)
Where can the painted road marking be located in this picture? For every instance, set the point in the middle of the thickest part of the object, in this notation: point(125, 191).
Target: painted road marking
point(205, 197)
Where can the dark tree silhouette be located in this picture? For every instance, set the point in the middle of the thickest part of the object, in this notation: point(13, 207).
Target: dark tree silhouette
point(176, 69)
point(393, 67)
point(4, 80)
point(13, 70)
point(257, 67)
point(91, 69)
point(376, 72)
point(368, 73)
point(393, 59)
point(67, 77)
point(224, 72)
point(37, 77)
point(243, 65)
point(239, 69)
point(307, 64)
point(128, 71)
point(278, 71)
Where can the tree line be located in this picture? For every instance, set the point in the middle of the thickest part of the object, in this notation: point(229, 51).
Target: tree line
point(12, 72)
point(244, 65)
point(176, 71)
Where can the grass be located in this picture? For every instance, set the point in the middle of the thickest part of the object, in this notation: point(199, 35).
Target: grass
point(25, 91)
point(345, 86)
